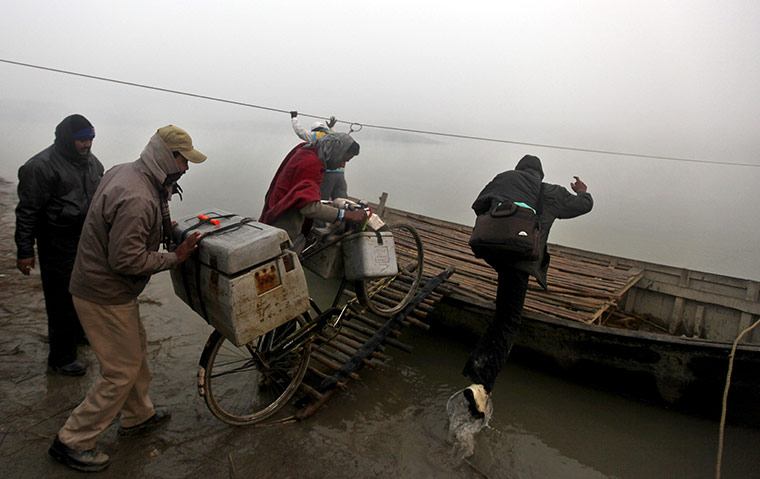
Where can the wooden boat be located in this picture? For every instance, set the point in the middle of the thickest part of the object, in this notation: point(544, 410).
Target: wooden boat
point(656, 332)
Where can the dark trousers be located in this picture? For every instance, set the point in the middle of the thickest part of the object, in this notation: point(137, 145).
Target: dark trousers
point(64, 329)
point(492, 350)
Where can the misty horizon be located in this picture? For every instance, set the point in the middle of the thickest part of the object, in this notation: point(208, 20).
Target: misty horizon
point(654, 78)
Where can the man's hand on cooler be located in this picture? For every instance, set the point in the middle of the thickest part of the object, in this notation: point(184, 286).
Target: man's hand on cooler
point(188, 247)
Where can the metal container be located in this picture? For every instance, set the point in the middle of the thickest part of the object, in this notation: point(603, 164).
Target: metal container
point(369, 255)
point(244, 280)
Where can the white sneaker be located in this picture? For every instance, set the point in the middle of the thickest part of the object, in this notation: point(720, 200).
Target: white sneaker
point(477, 397)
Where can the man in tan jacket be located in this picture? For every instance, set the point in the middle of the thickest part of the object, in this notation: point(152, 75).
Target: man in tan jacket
point(118, 252)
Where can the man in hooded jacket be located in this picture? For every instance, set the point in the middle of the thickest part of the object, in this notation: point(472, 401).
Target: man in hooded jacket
point(118, 253)
point(521, 185)
point(293, 199)
point(54, 190)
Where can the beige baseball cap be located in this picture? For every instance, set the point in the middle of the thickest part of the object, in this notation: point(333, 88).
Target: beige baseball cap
point(177, 139)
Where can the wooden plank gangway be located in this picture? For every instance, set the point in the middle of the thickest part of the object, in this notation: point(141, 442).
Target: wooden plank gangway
point(361, 341)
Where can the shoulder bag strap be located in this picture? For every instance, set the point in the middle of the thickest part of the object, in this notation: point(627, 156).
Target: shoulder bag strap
point(540, 205)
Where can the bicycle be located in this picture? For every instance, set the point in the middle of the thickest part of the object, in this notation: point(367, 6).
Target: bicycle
point(248, 384)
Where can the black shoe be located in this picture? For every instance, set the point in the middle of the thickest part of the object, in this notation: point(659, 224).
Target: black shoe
point(160, 416)
point(74, 368)
point(87, 461)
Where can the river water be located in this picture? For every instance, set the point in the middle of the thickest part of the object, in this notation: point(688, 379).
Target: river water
point(658, 212)
point(393, 423)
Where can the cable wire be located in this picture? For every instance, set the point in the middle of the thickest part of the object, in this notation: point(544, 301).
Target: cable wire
point(381, 127)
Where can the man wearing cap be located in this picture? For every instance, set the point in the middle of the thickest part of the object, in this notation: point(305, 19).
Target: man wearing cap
point(54, 190)
point(118, 252)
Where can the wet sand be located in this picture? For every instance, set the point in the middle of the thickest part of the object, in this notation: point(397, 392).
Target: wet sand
point(392, 423)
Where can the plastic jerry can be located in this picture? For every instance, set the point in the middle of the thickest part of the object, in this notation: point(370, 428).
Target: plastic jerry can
point(326, 263)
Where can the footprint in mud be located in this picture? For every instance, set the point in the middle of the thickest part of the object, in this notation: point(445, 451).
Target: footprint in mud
point(463, 426)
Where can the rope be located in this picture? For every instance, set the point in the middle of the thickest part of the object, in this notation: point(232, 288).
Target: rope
point(725, 399)
point(382, 284)
point(380, 127)
point(558, 147)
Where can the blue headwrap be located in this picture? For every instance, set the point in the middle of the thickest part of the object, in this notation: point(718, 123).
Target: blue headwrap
point(84, 134)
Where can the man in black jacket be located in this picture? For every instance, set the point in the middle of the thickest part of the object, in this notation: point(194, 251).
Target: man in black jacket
point(54, 190)
point(521, 185)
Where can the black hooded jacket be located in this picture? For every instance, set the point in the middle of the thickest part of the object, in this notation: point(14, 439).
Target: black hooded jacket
point(55, 189)
point(523, 184)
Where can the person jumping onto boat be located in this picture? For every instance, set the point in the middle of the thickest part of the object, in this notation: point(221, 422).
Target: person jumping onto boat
point(523, 184)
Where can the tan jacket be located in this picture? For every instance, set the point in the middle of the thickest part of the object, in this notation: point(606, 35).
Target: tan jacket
point(118, 249)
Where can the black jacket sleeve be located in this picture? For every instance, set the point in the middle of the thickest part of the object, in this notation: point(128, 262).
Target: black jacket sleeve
point(34, 190)
point(570, 205)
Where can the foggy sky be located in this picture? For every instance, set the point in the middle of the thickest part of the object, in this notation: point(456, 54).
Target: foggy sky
point(672, 78)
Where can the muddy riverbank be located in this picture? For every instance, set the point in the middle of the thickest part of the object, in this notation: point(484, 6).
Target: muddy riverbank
point(34, 404)
point(391, 423)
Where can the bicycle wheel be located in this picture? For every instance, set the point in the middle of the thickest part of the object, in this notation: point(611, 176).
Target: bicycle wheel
point(387, 296)
point(237, 383)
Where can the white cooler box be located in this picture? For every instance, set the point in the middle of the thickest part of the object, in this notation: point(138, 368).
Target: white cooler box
point(367, 255)
point(244, 280)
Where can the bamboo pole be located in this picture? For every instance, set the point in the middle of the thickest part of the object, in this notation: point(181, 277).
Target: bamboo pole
point(331, 364)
